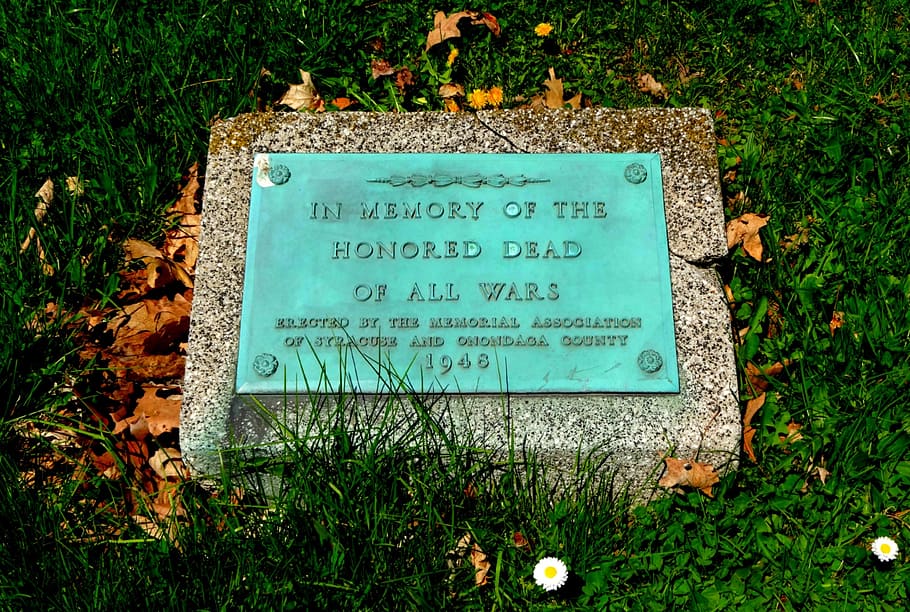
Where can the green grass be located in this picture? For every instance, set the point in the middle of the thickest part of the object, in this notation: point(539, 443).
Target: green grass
point(813, 123)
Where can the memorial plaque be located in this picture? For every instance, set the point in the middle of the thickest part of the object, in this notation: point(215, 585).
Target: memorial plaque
point(547, 279)
point(468, 273)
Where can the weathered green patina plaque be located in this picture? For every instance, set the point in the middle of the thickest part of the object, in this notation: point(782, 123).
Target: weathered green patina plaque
point(469, 273)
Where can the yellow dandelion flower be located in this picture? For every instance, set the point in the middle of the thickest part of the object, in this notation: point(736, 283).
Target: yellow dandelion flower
point(477, 99)
point(543, 29)
point(452, 55)
point(494, 96)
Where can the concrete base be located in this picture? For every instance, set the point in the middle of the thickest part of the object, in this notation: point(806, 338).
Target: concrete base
point(632, 432)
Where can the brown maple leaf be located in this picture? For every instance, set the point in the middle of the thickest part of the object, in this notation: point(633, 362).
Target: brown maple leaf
point(161, 414)
point(302, 95)
point(554, 94)
point(744, 230)
point(160, 270)
point(689, 473)
point(554, 97)
point(445, 28)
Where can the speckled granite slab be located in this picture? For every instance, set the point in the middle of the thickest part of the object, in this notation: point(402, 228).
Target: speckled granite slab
point(631, 431)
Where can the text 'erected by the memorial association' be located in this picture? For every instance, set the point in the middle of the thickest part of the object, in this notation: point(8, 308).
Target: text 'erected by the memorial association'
point(452, 277)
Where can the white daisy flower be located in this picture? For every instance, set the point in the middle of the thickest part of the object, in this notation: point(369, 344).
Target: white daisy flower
point(550, 573)
point(885, 549)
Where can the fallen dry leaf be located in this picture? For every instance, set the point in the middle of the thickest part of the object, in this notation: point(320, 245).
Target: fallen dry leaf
point(685, 76)
point(167, 463)
point(470, 491)
point(817, 471)
point(341, 103)
point(744, 230)
point(491, 22)
point(161, 414)
point(752, 407)
point(521, 541)
point(189, 193)
point(404, 79)
point(688, 473)
point(793, 433)
point(758, 377)
point(150, 327)
point(161, 270)
point(181, 242)
point(303, 95)
point(44, 196)
point(450, 90)
point(837, 320)
point(445, 28)
point(467, 548)
point(381, 68)
point(75, 185)
point(652, 86)
point(140, 249)
point(553, 97)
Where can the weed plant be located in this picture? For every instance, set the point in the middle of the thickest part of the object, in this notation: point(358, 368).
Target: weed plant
point(811, 114)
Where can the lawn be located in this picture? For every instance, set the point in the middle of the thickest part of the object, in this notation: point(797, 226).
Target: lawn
point(113, 102)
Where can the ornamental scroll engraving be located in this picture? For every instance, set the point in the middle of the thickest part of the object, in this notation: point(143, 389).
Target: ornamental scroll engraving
point(471, 180)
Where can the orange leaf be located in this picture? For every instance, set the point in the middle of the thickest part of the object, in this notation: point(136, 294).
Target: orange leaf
point(837, 319)
point(687, 473)
point(758, 377)
point(744, 230)
point(341, 103)
point(752, 407)
point(793, 433)
point(491, 22)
